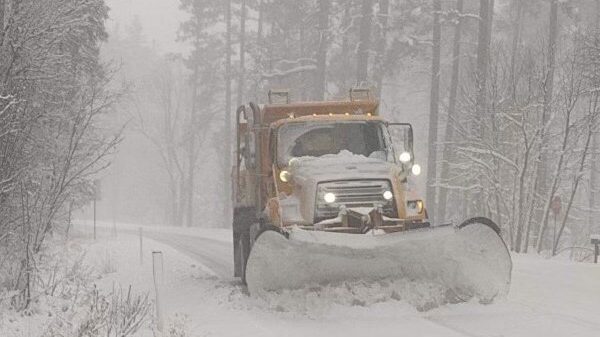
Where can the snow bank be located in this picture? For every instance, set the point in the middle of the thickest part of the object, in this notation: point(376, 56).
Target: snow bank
point(62, 264)
point(318, 301)
point(72, 297)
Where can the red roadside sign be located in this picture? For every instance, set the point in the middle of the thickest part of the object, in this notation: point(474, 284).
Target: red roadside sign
point(556, 205)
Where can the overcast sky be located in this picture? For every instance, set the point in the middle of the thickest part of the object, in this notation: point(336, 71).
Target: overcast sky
point(160, 20)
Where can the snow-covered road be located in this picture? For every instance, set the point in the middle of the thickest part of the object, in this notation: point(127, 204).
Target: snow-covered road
point(213, 254)
point(547, 298)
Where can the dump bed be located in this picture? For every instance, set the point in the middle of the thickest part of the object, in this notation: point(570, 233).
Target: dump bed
point(275, 112)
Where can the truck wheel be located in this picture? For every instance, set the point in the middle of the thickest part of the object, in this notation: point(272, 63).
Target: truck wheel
point(243, 250)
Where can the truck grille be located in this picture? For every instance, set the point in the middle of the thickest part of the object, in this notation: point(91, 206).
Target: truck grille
point(353, 194)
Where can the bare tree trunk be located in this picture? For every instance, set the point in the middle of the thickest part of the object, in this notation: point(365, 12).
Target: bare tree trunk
point(173, 219)
point(434, 107)
point(548, 93)
point(449, 134)
point(346, 21)
point(547, 110)
point(578, 177)
point(516, 39)
point(6, 13)
point(192, 151)
point(301, 77)
point(227, 128)
point(241, 79)
point(597, 14)
point(490, 23)
point(521, 200)
point(551, 63)
point(384, 9)
point(174, 182)
point(259, 32)
point(530, 215)
point(593, 182)
point(69, 219)
point(595, 156)
point(364, 44)
point(554, 185)
point(182, 204)
point(483, 57)
point(321, 73)
point(2, 25)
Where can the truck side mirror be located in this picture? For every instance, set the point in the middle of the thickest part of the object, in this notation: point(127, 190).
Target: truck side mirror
point(249, 150)
point(402, 140)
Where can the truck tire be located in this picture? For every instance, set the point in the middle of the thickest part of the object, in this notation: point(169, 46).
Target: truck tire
point(243, 250)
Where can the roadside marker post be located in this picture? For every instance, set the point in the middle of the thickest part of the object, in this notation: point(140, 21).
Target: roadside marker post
point(94, 219)
point(141, 246)
point(97, 195)
point(556, 208)
point(157, 272)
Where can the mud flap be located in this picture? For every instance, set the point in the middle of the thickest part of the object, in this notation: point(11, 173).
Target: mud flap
point(470, 260)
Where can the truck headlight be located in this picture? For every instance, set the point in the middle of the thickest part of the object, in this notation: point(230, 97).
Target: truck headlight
point(329, 198)
point(285, 176)
point(405, 157)
point(388, 195)
point(416, 169)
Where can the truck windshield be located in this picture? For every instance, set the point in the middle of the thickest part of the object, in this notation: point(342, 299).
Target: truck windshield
point(315, 139)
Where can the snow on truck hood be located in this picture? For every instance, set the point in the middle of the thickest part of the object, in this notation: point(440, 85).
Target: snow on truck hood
point(308, 172)
point(342, 166)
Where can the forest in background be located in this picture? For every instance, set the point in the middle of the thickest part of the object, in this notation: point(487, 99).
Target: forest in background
point(503, 95)
point(506, 92)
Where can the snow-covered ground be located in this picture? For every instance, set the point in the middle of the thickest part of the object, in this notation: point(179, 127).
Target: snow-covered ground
point(547, 298)
point(217, 234)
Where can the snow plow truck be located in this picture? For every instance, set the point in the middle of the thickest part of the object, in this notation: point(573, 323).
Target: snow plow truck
point(320, 197)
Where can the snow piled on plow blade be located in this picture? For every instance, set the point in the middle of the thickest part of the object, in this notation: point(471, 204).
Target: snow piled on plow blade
point(472, 261)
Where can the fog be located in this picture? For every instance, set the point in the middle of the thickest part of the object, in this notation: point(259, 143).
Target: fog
point(304, 167)
point(145, 33)
point(156, 45)
point(501, 96)
point(160, 21)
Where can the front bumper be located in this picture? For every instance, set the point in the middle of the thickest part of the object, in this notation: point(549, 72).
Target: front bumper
point(361, 221)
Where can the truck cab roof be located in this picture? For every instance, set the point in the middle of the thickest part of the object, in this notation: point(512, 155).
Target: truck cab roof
point(277, 114)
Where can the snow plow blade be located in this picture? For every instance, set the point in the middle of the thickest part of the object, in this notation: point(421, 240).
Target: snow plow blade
point(470, 260)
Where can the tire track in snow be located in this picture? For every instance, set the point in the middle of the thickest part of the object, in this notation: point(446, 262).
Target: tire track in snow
point(215, 255)
point(528, 319)
point(450, 327)
point(561, 316)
